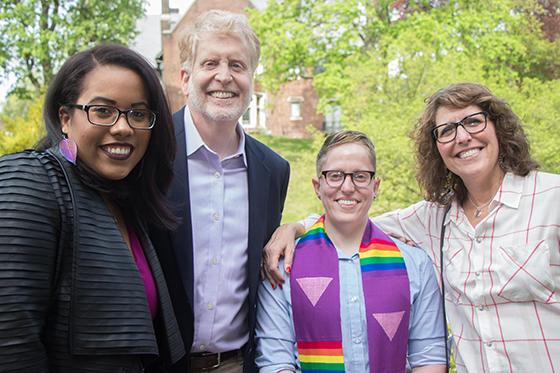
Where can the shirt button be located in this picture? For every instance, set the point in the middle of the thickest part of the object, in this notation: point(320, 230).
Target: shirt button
point(217, 175)
point(357, 340)
point(488, 344)
point(481, 308)
point(354, 299)
point(214, 261)
point(216, 216)
point(210, 306)
point(477, 274)
point(479, 239)
point(202, 347)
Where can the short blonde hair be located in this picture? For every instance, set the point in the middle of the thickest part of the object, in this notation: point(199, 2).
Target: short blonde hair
point(340, 138)
point(218, 22)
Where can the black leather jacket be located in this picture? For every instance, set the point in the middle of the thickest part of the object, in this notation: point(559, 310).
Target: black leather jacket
point(71, 298)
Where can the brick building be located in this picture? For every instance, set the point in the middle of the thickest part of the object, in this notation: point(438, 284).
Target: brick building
point(288, 112)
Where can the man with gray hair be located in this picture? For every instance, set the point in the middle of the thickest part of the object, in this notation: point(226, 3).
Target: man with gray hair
point(229, 190)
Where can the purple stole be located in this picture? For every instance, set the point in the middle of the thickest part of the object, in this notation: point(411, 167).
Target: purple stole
point(315, 292)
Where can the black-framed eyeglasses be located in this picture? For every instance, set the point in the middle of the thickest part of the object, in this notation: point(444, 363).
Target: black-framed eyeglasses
point(335, 178)
point(108, 115)
point(473, 123)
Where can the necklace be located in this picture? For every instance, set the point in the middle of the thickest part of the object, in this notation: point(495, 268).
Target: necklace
point(478, 209)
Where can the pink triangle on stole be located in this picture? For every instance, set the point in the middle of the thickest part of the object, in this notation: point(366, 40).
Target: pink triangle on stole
point(314, 287)
point(390, 322)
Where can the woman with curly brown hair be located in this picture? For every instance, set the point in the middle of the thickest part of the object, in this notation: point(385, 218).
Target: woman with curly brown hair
point(490, 223)
point(493, 213)
point(434, 175)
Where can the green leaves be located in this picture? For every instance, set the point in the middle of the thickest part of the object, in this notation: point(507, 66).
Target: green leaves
point(380, 60)
point(36, 36)
point(23, 124)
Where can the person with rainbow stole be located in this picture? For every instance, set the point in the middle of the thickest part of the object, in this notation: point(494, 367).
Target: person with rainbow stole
point(356, 299)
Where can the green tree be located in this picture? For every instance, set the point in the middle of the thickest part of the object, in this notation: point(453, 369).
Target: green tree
point(302, 37)
point(36, 36)
point(388, 56)
point(23, 130)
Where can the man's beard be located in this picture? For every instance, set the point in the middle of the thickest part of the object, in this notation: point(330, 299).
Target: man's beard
point(214, 112)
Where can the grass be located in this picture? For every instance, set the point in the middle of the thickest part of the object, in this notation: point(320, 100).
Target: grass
point(301, 199)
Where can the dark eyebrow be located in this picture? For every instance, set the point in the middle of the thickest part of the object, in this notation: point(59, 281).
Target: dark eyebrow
point(460, 121)
point(107, 101)
point(102, 100)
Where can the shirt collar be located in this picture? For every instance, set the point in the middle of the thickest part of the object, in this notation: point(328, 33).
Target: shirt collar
point(195, 142)
point(509, 194)
point(511, 190)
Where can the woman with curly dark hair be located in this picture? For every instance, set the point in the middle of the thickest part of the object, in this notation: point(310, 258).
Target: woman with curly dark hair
point(491, 229)
point(491, 224)
point(436, 179)
point(81, 287)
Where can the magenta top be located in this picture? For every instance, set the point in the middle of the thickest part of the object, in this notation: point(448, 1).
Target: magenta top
point(145, 271)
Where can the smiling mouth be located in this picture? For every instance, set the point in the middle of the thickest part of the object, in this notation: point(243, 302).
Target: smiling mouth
point(347, 202)
point(118, 152)
point(222, 94)
point(468, 153)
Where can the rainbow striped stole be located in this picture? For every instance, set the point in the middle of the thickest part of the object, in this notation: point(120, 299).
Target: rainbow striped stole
point(316, 232)
point(315, 293)
point(321, 356)
point(325, 355)
point(380, 255)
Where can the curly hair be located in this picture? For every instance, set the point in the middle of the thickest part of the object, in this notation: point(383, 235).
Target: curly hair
point(441, 185)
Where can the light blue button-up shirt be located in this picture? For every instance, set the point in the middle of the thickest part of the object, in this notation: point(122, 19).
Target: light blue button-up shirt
point(276, 348)
point(219, 198)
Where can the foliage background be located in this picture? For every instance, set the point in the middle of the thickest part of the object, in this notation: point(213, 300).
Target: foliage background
point(36, 37)
point(380, 60)
point(377, 60)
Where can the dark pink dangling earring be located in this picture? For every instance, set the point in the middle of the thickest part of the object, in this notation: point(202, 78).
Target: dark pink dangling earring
point(68, 149)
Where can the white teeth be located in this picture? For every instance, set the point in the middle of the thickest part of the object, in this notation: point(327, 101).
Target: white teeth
point(120, 150)
point(222, 94)
point(468, 153)
point(346, 202)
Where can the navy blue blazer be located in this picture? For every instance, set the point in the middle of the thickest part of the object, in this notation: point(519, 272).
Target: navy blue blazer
point(268, 176)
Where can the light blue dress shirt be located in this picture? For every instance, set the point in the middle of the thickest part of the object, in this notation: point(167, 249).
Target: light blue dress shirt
point(219, 198)
point(276, 348)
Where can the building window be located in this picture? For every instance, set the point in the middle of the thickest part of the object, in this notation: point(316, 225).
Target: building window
point(295, 107)
point(332, 119)
point(255, 116)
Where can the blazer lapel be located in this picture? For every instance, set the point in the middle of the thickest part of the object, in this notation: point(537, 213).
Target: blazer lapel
point(181, 238)
point(258, 181)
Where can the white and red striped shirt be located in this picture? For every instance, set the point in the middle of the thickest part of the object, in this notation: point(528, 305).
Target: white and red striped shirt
point(502, 277)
